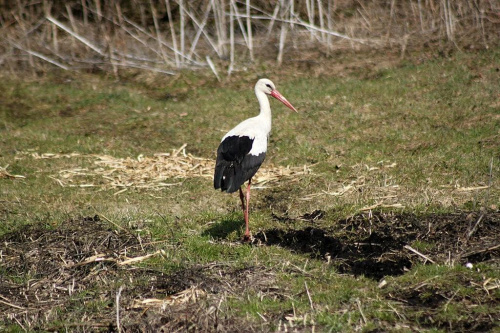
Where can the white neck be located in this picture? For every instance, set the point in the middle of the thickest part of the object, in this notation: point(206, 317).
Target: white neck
point(265, 107)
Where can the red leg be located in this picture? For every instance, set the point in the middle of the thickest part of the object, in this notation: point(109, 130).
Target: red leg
point(247, 236)
point(242, 198)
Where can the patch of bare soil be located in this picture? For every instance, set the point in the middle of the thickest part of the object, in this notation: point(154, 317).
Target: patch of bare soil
point(378, 244)
point(387, 244)
point(79, 273)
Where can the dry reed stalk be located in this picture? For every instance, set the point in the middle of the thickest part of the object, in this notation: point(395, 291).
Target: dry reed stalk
point(154, 14)
point(189, 295)
point(298, 21)
point(284, 28)
point(40, 56)
point(73, 24)
point(273, 19)
point(220, 26)
point(212, 67)
point(77, 36)
point(85, 13)
point(223, 24)
point(238, 17)
point(447, 19)
point(98, 9)
point(5, 174)
point(127, 31)
point(321, 21)
point(249, 30)
point(143, 31)
point(231, 38)
point(291, 15)
point(55, 40)
point(118, 294)
point(182, 26)
point(23, 26)
point(201, 29)
point(420, 15)
point(329, 23)
point(172, 32)
point(310, 15)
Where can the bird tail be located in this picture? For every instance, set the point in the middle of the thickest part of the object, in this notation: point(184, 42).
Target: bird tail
point(227, 176)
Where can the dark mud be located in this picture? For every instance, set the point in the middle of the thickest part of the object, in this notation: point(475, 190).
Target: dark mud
point(380, 244)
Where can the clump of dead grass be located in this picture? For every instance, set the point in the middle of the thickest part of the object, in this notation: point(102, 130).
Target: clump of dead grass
point(153, 172)
point(6, 174)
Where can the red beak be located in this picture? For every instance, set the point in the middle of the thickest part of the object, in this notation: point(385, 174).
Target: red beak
point(276, 94)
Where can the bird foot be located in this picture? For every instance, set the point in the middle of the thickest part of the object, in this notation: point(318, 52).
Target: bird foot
point(247, 238)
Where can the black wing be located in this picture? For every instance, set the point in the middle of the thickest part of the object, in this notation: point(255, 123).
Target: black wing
point(234, 164)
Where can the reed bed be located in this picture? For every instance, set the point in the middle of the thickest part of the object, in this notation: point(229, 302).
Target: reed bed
point(225, 35)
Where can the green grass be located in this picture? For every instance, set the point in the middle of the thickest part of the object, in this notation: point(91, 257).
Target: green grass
point(405, 138)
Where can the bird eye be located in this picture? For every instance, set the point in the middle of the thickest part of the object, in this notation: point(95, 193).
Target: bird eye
point(269, 86)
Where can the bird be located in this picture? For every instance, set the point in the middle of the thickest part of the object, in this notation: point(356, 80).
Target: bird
point(243, 149)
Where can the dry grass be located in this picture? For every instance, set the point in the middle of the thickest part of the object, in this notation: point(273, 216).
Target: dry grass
point(151, 173)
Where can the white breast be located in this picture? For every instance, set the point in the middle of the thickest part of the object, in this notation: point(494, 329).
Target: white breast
point(255, 128)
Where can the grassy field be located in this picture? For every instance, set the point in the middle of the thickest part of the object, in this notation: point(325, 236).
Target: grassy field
point(394, 190)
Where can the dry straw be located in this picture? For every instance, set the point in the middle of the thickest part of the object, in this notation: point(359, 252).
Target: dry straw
point(153, 172)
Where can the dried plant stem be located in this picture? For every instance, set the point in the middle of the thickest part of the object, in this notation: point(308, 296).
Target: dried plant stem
point(118, 294)
point(240, 23)
point(80, 38)
point(284, 29)
point(273, 19)
point(143, 31)
point(40, 56)
point(310, 14)
point(201, 29)
point(321, 21)
point(408, 247)
point(231, 39)
point(158, 32)
point(311, 27)
point(473, 230)
point(212, 67)
point(182, 26)
point(172, 32)
point(85, 13)
point(249, 30)
point(309, 296)
point(329, 22)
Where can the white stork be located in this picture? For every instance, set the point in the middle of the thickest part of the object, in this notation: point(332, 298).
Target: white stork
point(243, 149)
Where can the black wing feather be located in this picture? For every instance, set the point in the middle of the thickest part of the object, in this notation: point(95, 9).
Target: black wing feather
point(234, 164)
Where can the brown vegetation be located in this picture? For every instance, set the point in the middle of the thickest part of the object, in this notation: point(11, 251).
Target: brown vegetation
point(165, 36)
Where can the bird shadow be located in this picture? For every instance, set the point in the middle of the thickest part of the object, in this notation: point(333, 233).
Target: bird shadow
point(348, 256)
point(225, 227)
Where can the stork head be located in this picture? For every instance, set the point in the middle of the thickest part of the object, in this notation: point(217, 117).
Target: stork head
point(267, 87)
